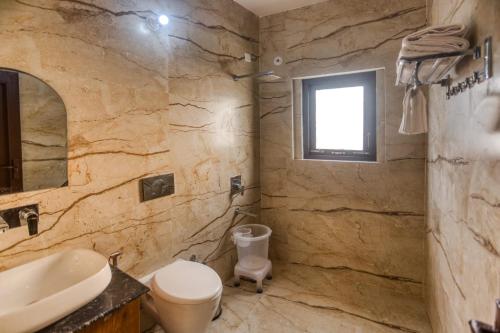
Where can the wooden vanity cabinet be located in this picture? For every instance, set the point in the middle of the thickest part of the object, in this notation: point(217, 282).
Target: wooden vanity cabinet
point(124, 320)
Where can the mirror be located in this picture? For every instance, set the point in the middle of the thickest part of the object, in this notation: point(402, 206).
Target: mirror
point(33, 134)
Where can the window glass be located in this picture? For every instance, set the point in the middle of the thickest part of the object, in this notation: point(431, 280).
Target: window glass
point(339, 118)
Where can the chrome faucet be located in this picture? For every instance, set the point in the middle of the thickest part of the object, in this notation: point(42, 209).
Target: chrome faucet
point(243, 212)
point(113, 258)
point(479, 327)
point(4, 226)
point(28, 216)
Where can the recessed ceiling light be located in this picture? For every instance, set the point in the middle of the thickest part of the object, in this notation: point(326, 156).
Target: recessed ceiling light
point(163, 19)
point(155, 22)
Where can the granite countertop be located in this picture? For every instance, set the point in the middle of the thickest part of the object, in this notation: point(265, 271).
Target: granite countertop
point(122, 290)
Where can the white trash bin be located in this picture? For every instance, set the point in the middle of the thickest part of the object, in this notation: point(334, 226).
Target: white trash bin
point(252, 244)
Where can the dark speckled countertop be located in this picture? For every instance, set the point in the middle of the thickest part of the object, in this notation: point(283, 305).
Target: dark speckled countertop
point(122, 290)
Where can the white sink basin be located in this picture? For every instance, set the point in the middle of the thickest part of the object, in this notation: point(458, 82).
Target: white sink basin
point(36, 294)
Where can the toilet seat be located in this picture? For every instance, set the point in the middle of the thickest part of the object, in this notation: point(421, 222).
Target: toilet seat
point(187, 282)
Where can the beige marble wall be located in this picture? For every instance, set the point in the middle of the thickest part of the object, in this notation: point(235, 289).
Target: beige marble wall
point(366, 217)
point(139, 103)
point(43, 135)
point(463, 236)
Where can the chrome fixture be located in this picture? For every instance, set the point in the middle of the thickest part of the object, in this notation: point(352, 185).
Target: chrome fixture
point(262, 76)
point(485, 53)
point(29, 216)
point(19, 217)
point(236, 186)
point(194, 258)
point(239, 211)
point(249, 57)
point(4, 226)
point(265, 76)
point(477, 77)
point(479, 327)
point(113, 258)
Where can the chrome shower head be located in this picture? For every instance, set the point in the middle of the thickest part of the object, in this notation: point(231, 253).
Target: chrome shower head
point(266, 76)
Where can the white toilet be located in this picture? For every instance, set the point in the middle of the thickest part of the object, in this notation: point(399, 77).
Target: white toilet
point(186, 296)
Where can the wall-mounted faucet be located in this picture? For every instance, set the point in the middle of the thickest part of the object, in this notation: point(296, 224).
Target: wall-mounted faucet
point(28, 216)
point(479, 327)
point(4, 226)
point(19, 217)
point(239, 211)
point(113, 258)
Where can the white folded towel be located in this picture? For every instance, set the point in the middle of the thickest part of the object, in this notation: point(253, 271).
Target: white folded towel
point(434, 40)
point(429, 41)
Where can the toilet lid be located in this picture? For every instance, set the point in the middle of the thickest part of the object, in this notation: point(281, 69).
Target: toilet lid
point(187, 282)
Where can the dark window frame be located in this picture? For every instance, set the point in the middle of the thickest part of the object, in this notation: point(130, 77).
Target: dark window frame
point(309, 87)
point(10, 125)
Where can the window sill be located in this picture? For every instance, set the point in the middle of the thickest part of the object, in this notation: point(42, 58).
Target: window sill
point(337, 161)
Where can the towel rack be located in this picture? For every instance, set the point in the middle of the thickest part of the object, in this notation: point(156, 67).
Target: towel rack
point(415, 64)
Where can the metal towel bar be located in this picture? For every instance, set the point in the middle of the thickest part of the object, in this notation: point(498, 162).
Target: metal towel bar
point(486, 53)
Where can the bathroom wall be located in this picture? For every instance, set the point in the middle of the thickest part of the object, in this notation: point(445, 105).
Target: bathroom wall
point(463, 235)
point(364, 217)
point(140, 103)
point(43, 135)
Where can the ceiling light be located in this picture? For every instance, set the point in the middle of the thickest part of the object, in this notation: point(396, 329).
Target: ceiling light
point(156, 22)
point(163, 19)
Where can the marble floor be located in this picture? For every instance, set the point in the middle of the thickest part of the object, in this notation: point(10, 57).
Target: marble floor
point(313, 299)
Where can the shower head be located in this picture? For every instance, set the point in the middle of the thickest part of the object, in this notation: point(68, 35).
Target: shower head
point(269, 77)
point(266, 76)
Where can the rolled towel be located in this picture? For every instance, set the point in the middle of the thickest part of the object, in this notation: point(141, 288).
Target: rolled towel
point(430, 41)
point(434, 40)
point(414, 112)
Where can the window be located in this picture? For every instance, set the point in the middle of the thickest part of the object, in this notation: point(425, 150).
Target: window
point(339, 115)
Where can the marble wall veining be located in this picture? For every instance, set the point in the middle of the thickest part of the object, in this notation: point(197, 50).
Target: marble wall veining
point(365, 217)
point(140, 103)
point(463, 233)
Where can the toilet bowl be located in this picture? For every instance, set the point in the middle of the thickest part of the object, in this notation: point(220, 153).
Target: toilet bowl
point(185, 296)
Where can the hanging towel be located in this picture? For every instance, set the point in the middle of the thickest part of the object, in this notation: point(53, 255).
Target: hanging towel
point(414, 112)
point(429, 41)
